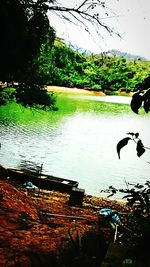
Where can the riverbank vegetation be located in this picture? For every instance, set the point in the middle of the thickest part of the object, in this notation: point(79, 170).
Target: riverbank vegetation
point(71, 68)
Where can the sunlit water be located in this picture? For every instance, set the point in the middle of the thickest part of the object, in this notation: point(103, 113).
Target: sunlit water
point(79, 141)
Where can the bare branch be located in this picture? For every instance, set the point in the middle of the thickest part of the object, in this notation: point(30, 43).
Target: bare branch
point(86, 12)
point(82, 4)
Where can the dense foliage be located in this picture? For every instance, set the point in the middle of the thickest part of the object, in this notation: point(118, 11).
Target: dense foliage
point(23, 30)
point(64, 66)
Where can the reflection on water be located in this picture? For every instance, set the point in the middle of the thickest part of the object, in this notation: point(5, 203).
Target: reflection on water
point(110, 99)
point(79, 143)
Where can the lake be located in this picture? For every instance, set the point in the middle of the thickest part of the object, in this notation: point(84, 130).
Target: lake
point(79, 141)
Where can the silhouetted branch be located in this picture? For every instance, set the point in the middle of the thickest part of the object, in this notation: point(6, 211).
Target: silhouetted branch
point(140, 148)
point(86, 12)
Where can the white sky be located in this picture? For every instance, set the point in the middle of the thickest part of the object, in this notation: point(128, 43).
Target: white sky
point(133, 23)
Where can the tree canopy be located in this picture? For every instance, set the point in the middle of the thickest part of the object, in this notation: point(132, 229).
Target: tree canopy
point(23, 31)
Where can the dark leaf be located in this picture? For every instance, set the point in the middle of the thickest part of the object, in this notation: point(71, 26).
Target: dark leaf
point(145, 84)
point(130, 133)
point(123, 190)
point(139, 186)
point(147, 183)
point(147, 94)
point(127, 196)
point(111, 195)
point(112, 187)
point(136, 135)
point(133, 134)
point(136, 102)
point(146, 105)
point(140, 148)
point(121, 144)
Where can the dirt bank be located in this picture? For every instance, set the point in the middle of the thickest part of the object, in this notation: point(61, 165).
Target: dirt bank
point(30, 239)
point(73, 90)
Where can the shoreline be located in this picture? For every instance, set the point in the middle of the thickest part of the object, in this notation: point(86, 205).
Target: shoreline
point(75, 90)
point(4, 176)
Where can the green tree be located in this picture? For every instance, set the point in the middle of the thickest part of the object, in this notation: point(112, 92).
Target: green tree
point(43, 68)
point(13, 28)
point(68, 65)
point(24, 30)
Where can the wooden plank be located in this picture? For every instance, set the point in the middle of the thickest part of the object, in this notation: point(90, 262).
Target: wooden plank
point(64, 216)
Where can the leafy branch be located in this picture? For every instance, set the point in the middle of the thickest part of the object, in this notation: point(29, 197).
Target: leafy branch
point(138, 195)
point(142, 97)
point(140, 148)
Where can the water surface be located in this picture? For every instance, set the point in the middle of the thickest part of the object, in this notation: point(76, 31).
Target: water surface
point(79, 141)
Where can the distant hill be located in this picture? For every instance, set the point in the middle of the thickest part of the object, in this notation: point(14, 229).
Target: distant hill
point(116, 53)
point(111, 53)
point(79, 49)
